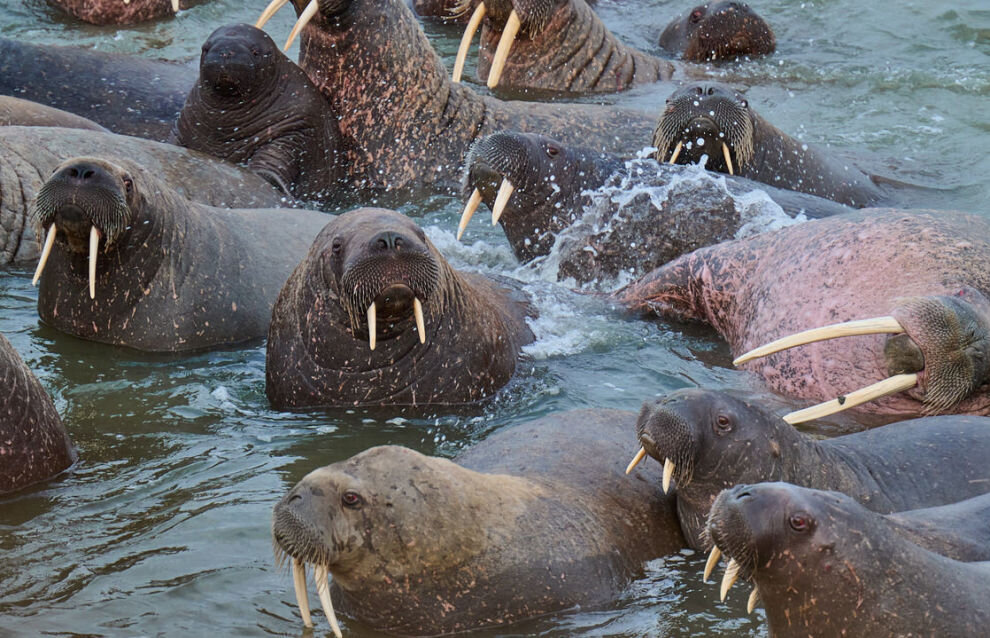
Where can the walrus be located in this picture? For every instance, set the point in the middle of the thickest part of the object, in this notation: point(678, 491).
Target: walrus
point(421, 546)
point(17, 112)
point(721, 30)
point(916, 282)
point(130, 262)
point(714, 121)
point(123, 11)
point(253, 106)
point(34, 445)
point(825, 567)
point(374, 315)
point(709, 441)
point(29, 155)
point(404, 124)
point(591, 207)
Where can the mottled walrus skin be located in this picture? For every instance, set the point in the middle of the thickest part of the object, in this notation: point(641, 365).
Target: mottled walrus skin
point(253, 106)
point(121, 11)
point(722, 118)
point(29, 155)
point(929, 270)
point(723, 30)
point(129, 95)
point(17, 112)
point(536, 519)
point(34, 445)
point(716, 441)
point(824, 567)
point(404, 124)
point(605, 216)
point(171, 275)
point(318, 346)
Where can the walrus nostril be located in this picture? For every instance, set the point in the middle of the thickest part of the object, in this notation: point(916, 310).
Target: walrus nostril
point(389, 240)
point(81, 171)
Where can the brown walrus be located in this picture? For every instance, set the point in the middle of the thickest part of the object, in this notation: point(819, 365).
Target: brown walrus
point(536, 519)
point(374, 315)
point(722, 30)
point(17, 112)
point(123, 11)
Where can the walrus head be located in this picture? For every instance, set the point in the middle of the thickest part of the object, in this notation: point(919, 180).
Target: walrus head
point(719, 31)
point(237, 61)
point(706, 119)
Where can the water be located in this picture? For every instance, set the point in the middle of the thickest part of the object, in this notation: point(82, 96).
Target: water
point(163, 526)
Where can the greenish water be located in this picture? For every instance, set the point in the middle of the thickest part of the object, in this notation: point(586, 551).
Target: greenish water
point(163, 526)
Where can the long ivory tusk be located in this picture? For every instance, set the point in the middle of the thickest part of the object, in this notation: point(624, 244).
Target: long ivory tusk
point(303, 20)
point(711, 563)
point(469, 32)
point(469, 210)
point(420, 322)
point(890, 385)
point(372, 325)
point(676, 153)
point(269, 11)
point(502, 51)
point(94, 244)
point(876, 325)
point(501, 199)
point(668, 472)
point(45, 252)
point(729, 578)
point(636, 459)
point(754, 597)
point(302, 596)
point(323, 590)
point(728, 158)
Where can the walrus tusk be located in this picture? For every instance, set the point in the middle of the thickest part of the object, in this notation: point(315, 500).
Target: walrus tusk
point(668, 472)
point(372, 325)
point(729, 578)
point(269, 11)
point(469, 210)
point(303, 20)
point(469, 32)
point(676, 153)
point(323, 589)
point(890, 385)
point(45, 252)
point(502, 51)
point(636, 459)
point(711, 563)
point(728, 158)
point(94, 244)
point(302, 596)
point(420, 322)
point(175, 6)
point(501, 199)
point(876, 325)
point(754, 597)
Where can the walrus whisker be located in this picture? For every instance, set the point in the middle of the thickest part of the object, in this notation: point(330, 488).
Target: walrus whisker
point(636, 459)
point(754, 597)
point(668, 472)
point(269, 11)
point(420, 322)
point(890, 385)
point(502, 51)
point(712, 561)
point(469, 210)
point(302, 596)
point(502, 199)
point(303, 20)
point(728, 158)
point(323, 590)
point(876, 325)
point(469, 32)
point(729, 578)
point(94, 244)
point(372, 325)
point(677, 151)
point(45, 252)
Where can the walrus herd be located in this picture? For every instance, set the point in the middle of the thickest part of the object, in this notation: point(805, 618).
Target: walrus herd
point(169, 209)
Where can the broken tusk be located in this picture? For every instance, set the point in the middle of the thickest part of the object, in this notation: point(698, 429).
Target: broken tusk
point(876, 325)
point(469, 32)
point(711, 563)
point(729, 578)
point(420, 322)
point(676, 153)
point(501, 199)
point(754, 597)
point(668, 472)
point(728, 158)
point(302, 596)
point(303, 20)
point(94, 244)
point(175, 6)
point(469, 209)
point(502, 51)
point(636, 459)
point(372, 325)
point(269, 11)
point(323, 590)
point(45, 252)
point(890, 385)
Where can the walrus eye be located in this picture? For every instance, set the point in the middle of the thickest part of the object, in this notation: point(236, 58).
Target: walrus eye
point(800, 522)
point(352, 500)
point(553, 150)
point(697, 15)
point(723, 424)
point(336, 246)
point(128, 184)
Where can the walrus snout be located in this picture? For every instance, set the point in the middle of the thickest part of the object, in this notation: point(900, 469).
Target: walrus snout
point(233, 57)
point(667, 436)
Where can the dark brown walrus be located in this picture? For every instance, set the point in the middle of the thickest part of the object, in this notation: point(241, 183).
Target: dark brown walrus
point(34, 445)
point(722, 30)
point(374, 315)
point(123, 11)
point(536, 519)
point(130, 262)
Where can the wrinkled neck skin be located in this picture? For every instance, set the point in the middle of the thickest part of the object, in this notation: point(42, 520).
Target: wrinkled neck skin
point(958, 531)
point(575, 53)
point(20, 179)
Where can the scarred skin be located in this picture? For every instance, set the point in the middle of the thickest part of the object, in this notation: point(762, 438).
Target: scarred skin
point(825, 567)
point(17, 112)
point(121, 12)
point(253, 106)
point(557, 186)
point(403, 123)
point(929, 269)
point(318, 345)
point(29, 155)
point(172, 275)
point(34, 445)
point(716, 441)
point(721, 30)
point(515, 528)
